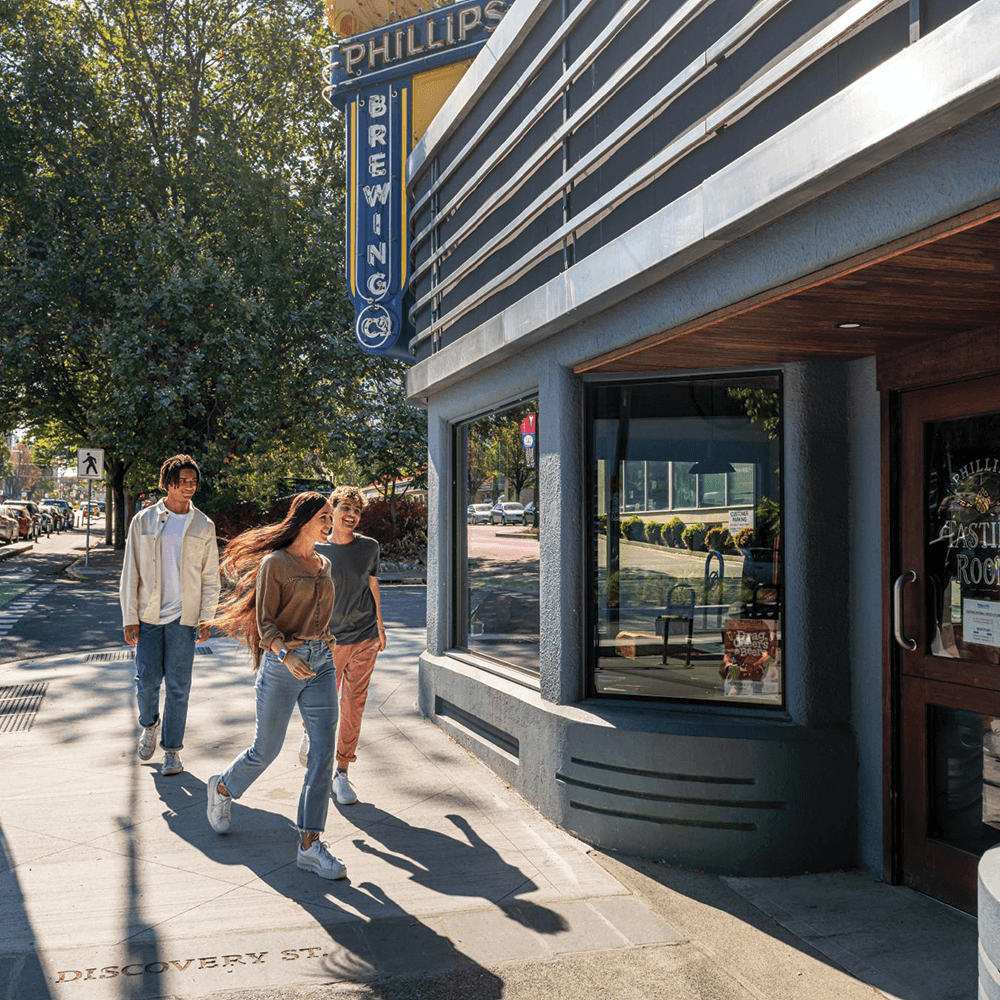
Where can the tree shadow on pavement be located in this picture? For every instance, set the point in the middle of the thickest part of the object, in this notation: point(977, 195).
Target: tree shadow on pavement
point(21, 971)
point(372, 939)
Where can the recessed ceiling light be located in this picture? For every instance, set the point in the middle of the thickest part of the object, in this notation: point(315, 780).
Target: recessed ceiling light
point(848, 326)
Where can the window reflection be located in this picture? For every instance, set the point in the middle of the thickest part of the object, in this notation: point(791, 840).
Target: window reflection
point(964, 773)
point(963, 537)
point(499, 551)
point(686, 555)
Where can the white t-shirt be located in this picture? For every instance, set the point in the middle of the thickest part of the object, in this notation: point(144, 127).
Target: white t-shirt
point(171, 601)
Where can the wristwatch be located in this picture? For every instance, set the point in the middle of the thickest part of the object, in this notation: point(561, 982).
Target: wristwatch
point(282, 653)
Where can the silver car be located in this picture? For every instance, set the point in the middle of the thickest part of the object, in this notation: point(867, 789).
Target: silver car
point(507, 513)
point(478, 513)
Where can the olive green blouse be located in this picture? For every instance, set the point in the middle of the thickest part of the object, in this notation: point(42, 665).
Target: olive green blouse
point(294, 599)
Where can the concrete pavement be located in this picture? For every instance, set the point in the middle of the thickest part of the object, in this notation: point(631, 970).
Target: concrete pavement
point(112, 885)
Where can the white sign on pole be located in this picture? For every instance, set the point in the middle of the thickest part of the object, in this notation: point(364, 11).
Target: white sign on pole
point(740, 519)
point(90, 463)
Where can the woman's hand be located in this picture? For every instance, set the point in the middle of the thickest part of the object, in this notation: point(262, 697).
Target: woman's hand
point(298, 667)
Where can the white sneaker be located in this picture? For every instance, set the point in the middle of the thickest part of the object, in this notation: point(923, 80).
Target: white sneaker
point(319, 860)
point(147, 742)
point(218, 806)
point(343, 790)
point(304, 749)
point(171, 762)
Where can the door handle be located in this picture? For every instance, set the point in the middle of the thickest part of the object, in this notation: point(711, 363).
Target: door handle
point(909, 576)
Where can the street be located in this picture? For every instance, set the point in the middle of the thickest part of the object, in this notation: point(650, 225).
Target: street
point(45, 612)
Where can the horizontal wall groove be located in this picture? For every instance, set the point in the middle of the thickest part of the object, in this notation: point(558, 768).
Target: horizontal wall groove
point(677, 799)
point(665, 775)
point(666, 820)
point(480, 728)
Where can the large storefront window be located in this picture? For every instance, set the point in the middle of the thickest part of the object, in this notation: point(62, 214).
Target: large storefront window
point(497, 541)
point(687, 595)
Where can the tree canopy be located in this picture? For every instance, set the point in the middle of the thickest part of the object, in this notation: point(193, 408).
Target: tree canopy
point(171, 240)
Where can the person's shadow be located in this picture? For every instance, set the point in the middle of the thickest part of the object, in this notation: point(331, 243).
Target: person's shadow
point(372, 936)
point(457, 866)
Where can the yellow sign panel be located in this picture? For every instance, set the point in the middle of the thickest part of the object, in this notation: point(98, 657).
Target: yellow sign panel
point(430, 91)
point(350, 17)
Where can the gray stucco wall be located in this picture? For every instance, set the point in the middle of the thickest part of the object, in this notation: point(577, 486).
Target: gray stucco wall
point(864, 477)
point(724, 789)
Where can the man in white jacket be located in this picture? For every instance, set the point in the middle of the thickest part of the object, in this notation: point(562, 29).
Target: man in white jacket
point(169, 592)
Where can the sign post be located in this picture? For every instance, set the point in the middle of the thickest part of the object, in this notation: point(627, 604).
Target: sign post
point(89, 466)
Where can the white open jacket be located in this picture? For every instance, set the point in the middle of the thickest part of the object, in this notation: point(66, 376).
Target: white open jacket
point(142, 577)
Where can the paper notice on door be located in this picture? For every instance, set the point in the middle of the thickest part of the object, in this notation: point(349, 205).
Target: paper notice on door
point(981, 622)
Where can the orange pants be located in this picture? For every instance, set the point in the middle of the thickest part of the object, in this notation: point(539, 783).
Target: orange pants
point(354, 664)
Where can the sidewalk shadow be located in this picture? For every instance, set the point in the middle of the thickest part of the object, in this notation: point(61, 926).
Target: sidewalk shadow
point(21, 971)
point(373, 937)
point(453, 865)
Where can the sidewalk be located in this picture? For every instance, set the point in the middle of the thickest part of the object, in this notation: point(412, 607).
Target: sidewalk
point(112, 884)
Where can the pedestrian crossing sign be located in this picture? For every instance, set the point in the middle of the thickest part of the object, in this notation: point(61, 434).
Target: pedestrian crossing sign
point(90, 463)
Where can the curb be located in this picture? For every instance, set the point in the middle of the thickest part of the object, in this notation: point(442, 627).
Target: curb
point(85, 575)
point(17, 549)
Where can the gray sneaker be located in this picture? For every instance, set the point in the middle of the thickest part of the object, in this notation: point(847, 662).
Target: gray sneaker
point(147, 742)
point(171, 762)
point(304, 750)
point(218, 806)
point(319, 860)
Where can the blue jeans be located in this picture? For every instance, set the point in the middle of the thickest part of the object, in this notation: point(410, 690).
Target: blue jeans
point(278, 692)
point(164, 655)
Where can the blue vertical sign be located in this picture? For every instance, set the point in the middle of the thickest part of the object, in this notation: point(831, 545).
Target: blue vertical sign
point(378, 129)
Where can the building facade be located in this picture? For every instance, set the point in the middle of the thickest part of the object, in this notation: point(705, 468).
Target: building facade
point(741, 261)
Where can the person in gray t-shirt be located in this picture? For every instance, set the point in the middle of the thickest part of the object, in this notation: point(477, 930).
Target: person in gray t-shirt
point(356, 624)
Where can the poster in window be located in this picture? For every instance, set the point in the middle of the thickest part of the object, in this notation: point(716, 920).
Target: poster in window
point(751, 661)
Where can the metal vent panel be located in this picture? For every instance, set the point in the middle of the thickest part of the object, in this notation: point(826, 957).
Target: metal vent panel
point(19, 704)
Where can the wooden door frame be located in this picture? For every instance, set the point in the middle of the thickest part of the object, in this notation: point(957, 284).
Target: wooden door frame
point(963, 356)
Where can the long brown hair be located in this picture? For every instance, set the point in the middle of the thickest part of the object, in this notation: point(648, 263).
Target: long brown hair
point(237, 615)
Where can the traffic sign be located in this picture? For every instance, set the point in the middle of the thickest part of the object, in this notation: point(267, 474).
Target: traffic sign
point(90, 463)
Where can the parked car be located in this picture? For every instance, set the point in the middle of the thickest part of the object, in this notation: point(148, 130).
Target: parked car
point(64, 508)
point(42, 521)
point(478, 513)
point(27, 529)
point(507, 513)
point(9, 530)
point(530, 517)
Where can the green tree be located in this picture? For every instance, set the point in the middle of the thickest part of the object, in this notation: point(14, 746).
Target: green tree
point(171, 249)
point(390, 443)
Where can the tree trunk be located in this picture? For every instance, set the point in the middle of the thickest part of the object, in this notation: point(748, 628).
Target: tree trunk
point(109, 507)
point(118, 470)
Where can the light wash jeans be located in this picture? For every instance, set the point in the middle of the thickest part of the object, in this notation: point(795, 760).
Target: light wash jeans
point(278, 692)
point(164, 655)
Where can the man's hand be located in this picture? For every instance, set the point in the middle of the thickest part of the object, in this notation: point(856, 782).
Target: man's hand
point(131, 634)
point(203, 632)
point(298, 667)
point(381, 638)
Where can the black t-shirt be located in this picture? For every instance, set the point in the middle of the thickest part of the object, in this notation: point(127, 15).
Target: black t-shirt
point(354, 617)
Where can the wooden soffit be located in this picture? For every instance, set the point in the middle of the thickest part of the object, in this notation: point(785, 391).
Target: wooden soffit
point(940, 282)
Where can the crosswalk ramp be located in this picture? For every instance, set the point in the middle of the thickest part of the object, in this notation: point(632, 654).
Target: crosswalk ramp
point(12, 611)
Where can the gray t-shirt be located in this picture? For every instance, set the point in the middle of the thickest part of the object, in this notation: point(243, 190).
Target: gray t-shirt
point(354, 618)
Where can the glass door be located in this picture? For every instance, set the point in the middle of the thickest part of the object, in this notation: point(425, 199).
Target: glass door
point(946, 606)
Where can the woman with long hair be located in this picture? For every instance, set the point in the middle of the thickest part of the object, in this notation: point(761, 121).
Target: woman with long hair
point(280, 606)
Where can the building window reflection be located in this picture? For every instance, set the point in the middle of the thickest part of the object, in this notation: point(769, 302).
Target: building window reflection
point(685, 546)
point(496, 541)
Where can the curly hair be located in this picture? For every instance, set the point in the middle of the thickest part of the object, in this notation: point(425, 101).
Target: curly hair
point(351, 493)
point(237, 615)
point(170, 471)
